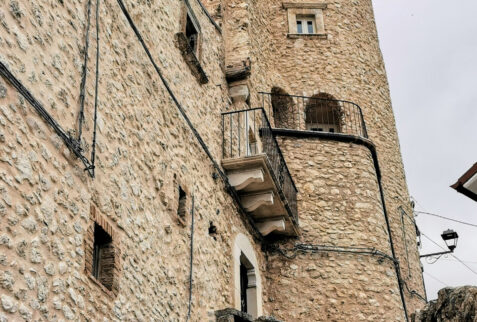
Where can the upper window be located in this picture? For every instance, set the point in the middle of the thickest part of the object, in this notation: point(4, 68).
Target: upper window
point(305, 24)
point(189, 40)
point(192, 35)
point(305, 19)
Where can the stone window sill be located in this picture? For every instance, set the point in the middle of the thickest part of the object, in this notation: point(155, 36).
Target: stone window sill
point(191, 58)
point(101, 286)
point(296, 36)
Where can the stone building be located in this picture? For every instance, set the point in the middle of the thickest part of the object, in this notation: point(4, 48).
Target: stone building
point(223, 160)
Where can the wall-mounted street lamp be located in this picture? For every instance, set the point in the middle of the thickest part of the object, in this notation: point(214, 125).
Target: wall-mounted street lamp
point(450, 237)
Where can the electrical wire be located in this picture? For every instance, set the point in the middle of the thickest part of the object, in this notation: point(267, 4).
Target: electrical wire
point(206, 12)
point(191, 263)
point(458, 259)
point(403, 212)
point(203, 145)
point(70, 142)
point(74, 145)
point(446, 218)
point(467, 262)
point(414, 292)
point(327, 248)
point(435, 278)
point(291, 253)
point(93, 151)
point(84, 74)
point(433, 242)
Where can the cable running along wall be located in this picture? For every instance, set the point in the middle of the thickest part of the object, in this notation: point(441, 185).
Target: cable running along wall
point(204, 147)
point(309, 248)
point(73, 144)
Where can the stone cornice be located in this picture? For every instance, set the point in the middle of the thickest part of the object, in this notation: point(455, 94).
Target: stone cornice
point(307, 5)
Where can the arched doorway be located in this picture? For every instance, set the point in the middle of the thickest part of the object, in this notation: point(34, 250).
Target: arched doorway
point(323, 113)
point(248, 285)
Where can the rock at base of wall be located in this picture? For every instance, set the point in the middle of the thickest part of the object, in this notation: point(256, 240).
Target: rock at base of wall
point(452, 305)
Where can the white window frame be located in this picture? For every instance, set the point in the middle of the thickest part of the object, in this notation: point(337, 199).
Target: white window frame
point(305, 12)
point(304, 20)
point(243, 250)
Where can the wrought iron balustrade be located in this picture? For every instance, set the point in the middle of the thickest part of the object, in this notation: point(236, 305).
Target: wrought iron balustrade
point(315, 113)
point(248, 133)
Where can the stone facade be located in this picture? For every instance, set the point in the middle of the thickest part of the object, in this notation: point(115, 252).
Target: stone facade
point(159, 128)
point(339, 199)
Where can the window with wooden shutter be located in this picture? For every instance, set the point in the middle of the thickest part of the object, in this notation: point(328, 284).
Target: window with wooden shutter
point(103, 257)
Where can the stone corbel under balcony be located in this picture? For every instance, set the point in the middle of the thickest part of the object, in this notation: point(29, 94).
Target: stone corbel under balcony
point(269, 226)
point(252, 178)
point(251, 202)
point(241, 179)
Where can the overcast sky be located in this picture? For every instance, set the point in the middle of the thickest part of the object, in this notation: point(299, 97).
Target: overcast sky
point(430, 51)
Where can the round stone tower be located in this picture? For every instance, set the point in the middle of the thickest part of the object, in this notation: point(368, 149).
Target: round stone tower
point(317, 70)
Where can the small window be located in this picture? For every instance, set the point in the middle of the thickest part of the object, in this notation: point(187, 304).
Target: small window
point(103, 257)
point(181, 208)
point(305, 24)
point(189, 42)
point(192, 35)
point(305, 19)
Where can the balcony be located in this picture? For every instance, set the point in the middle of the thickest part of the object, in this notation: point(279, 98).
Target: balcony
point(319, 113)
point(257, 170)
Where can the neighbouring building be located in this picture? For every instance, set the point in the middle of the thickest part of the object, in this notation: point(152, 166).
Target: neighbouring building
point(467, 183)
point(223, 160)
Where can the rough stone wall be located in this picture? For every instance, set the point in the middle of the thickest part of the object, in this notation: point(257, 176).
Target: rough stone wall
point(452, 305)
point(144, 151)
point(349, 66)
point(339, 205)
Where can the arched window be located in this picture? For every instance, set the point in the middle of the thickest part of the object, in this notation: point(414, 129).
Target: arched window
point(282, 106)
point(247, 282)
point(323, 113)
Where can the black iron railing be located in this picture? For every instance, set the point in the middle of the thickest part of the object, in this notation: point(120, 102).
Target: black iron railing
point(248, 133)
point(314, 113)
